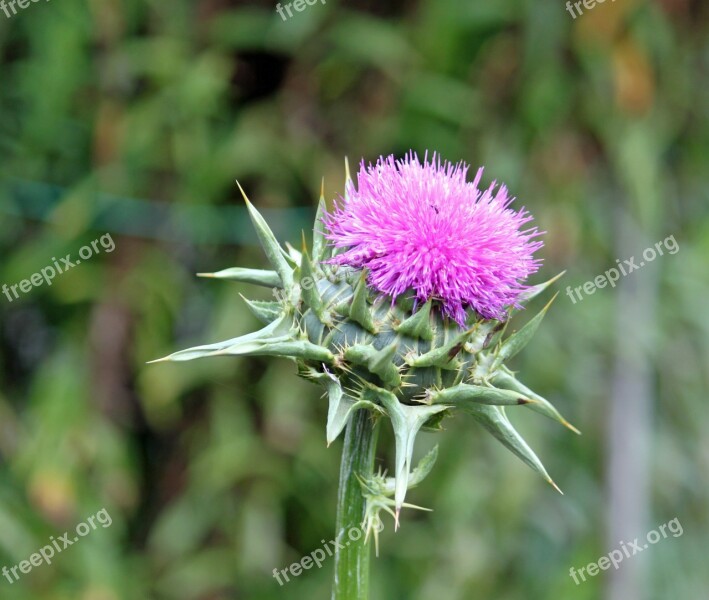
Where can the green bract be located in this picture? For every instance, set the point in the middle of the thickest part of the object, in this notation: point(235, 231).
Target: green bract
point(410, 365)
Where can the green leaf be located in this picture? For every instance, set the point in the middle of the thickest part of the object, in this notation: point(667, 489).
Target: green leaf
point(387, 487)
point(270, 245)
point(255, 276)
point(541, 405)
point(535, 290)
point(513, 344)
point(464, 394)
point(278, 327)
point(406, 421)
point(340, 407)
point(423, 468)
point(284, 346)
point(493, 419)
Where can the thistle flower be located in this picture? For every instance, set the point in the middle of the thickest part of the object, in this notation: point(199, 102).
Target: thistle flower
point(423, 227)
point(343, 315)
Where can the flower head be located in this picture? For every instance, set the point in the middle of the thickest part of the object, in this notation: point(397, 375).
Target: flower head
point(421, 226)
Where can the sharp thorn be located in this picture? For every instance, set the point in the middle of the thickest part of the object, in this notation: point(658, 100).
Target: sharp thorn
point(243, 193)
point(157, 360)
point(556, 487)
point(407, 505)
point(568, 425)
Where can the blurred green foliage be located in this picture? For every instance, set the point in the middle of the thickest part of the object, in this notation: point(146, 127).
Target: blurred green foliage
point(135, 117)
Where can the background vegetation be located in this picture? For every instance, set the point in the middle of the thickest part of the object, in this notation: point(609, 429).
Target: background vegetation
point(135, 118)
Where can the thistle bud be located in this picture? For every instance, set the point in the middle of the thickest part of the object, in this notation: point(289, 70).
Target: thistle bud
point(400, 308)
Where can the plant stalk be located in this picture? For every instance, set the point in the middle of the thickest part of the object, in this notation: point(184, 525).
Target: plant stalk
point(352, 560)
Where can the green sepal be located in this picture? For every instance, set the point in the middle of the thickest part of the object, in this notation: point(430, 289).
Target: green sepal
point(264, 311)
point(359, 354)
point(486, 333)
point(359, 310)
point(513, 344)
point(533, 291)
point(379, 362)
point(339, 413)
point(279, 327)
point(442, 356)
point(382, 364)
point(274, 252)
point(493, 419)
point(340, 407)
point(284, 346)
point(292, 255)
point(310, 293)
point(273, 340)
point(506, 380)
point(255, 276)
point(464, 394)
point(319, 240)
point(418, 325)
point(377, 490)
point(424, 467)
point(386, 486)
point(406, 421)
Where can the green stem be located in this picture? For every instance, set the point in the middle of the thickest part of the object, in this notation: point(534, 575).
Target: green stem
point(352, 560)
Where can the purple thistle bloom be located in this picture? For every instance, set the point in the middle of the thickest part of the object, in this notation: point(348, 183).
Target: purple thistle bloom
point(423, 227)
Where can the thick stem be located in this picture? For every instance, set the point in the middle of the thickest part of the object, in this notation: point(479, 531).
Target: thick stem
point(352, 560)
